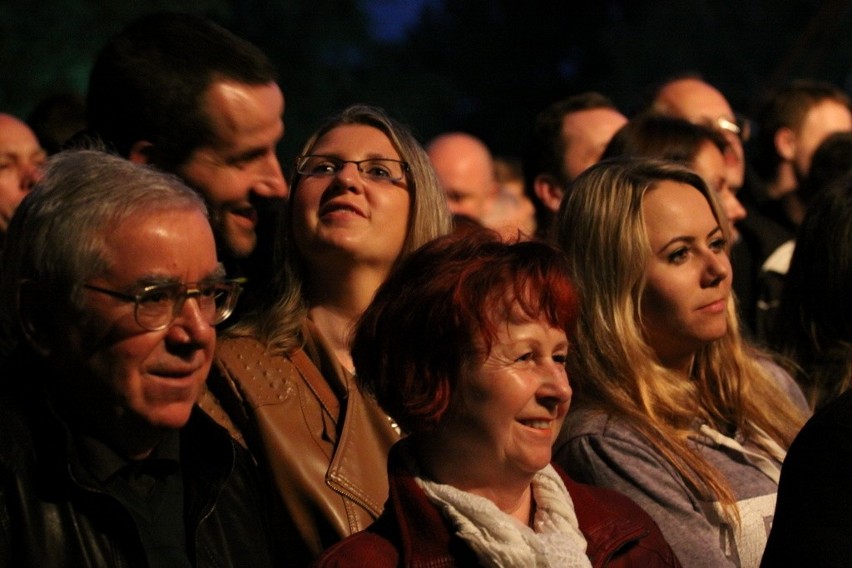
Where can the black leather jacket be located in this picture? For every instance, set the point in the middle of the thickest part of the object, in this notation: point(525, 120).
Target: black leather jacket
point(50, 519)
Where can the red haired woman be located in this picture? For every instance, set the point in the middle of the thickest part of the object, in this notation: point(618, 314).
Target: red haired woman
point(465, 347)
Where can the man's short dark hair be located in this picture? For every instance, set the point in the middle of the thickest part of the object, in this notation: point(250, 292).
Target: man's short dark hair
point(787, 107)
point(149, 81)
point(545, 151)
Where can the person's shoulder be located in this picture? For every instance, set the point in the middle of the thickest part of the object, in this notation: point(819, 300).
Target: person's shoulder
point(365, 549)
point(609, 518)
point(833, 420)
point(601, 500)
point(596, 423)
point(783, 381)
point(240, 347)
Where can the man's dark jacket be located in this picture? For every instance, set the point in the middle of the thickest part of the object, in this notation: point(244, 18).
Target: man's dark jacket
point(48, 518)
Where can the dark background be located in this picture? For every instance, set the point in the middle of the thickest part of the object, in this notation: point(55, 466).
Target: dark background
point(483, 66)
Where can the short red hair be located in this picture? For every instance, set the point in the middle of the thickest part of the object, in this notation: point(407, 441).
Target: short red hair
point(441, 306)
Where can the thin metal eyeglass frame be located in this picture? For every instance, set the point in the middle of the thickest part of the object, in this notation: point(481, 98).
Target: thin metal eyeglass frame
point(302, 160)
point(234, 286)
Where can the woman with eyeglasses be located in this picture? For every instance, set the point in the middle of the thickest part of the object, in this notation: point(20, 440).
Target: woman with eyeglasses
point(363, 196)
point(671, 407)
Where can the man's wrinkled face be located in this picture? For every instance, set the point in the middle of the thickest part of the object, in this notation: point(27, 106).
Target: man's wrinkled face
point(124, 377)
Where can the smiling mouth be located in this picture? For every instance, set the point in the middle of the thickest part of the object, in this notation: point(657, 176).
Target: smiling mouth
point(537, 424)
point(174, 373)
point(340, 208)
point(248, 213)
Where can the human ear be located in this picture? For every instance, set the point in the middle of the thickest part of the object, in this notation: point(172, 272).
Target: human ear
point(785, 143)
point(142, 152)
point(549, 191)
point(36, 316)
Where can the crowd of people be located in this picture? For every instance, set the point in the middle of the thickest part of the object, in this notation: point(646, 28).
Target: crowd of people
point(596, 352)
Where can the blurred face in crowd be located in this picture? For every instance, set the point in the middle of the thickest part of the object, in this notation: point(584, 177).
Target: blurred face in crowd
point(688, 277)
point(822, 120)
point(586, 134)
point(465, 169)
point(125, 379)
point(709, 163)
point(700, 103)
point(21, 158)
point(238, 171)
point(342, 214)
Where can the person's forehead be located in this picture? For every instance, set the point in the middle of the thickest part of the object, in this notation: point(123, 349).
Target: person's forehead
point(828, 113)
point(594, 123)
point(241, 113)
point(157, 241)
point(707, 105)
point(15, 133)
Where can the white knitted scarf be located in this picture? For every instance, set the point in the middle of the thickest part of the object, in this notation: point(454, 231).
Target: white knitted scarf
point(500, 540)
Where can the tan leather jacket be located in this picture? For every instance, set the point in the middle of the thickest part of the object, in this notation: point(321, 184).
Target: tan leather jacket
point(325, 445)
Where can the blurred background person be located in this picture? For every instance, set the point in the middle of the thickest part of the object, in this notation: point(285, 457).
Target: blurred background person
point(793, 123)
point(21, 158)
point(698, 147)
point(691, 98)
point(813, 323)
point(57, 119)
point(513, 214)
point(364, 196)
point(465, 168)
point(671, 406)
point(482, 397)
point(567, 137)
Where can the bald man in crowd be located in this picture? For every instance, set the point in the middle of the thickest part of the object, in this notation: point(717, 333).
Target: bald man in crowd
point(465, 168)
point(699, 102)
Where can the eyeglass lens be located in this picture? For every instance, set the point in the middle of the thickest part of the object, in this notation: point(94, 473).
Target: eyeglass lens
point(380, 169)
point(158, 306)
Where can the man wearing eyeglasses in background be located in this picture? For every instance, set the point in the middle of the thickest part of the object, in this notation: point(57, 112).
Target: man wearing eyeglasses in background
point(109, 293)
point(187, 96)
point(692, 99)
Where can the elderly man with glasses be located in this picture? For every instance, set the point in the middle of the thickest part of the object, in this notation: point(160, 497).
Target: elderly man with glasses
point(111, 289)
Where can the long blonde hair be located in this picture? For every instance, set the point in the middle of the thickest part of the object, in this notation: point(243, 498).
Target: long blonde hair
point(613, 369)
point(280, 317)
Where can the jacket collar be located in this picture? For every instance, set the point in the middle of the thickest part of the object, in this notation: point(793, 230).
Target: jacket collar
point(426, 541)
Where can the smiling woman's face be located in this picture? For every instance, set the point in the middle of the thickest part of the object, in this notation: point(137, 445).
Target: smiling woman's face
point(688, 276)
point(347, 217)
point(507, 412)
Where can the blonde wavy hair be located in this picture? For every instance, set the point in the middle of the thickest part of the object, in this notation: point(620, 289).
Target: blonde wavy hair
point(612, 367)
point(279, 319)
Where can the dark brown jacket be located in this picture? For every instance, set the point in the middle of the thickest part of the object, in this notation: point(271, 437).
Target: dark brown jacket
point(51, 518)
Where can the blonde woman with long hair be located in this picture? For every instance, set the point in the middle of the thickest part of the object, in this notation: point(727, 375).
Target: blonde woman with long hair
point(364, 195)
point(671, 407)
